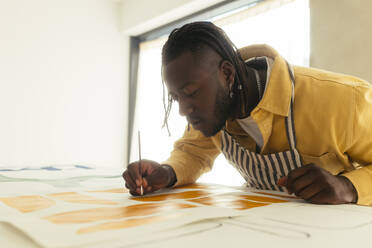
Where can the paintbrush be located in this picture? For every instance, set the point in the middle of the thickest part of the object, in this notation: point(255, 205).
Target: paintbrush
point(139, 155)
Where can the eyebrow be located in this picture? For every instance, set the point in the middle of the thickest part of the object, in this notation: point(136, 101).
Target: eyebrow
point(182, 86)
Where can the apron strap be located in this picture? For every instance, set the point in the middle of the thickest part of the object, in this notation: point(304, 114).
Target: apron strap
point(291, 133)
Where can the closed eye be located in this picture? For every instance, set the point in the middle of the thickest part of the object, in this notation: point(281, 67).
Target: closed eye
point(175, 98)
point(193, 93)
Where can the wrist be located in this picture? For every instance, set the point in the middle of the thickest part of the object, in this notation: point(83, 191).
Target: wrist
point(172, 178)
point(350, 187)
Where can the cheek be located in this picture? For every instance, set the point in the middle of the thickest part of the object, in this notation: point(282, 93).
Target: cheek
point(207, 98)
point(207, 104)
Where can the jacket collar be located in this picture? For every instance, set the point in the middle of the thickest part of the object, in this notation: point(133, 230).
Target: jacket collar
point(277, 96)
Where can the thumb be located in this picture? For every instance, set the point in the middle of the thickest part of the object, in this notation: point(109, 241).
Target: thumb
point(282, 181)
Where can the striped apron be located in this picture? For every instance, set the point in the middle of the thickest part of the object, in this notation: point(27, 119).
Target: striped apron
point(263, 171)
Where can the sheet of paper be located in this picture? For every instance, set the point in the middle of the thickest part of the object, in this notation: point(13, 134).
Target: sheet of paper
point(79, 207)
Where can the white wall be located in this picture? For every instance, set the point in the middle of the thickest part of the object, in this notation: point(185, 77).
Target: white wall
point(341, 36)
point(64, 77)
point(139, 16)
point(62, 92)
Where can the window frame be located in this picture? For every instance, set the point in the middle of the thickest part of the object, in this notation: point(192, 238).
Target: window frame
point(205, 14)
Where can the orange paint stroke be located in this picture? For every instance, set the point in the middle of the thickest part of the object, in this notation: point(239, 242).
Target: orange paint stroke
point(99, 214)
point(229, 203)
point(278, 195)
point(172, 196)
point(118, 190)
point(74, 197)
point(28, 203)
point(262, 199)
point(126, 223)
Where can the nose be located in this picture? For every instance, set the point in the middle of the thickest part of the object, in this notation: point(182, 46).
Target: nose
point(185, 108)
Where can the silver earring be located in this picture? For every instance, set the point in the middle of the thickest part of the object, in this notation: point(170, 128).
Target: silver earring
point(231, 92)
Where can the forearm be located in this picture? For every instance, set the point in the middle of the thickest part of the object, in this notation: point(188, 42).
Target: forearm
point(186, 168)
point(192, 156)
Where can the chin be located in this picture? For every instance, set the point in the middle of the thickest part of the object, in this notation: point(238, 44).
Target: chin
point(211, 132)
point(206, 133)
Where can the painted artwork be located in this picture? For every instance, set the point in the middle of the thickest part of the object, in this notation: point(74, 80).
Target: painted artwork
point(86, 207)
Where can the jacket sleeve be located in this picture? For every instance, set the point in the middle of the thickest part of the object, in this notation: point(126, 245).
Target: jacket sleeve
point(360, 148)
point(193, 155)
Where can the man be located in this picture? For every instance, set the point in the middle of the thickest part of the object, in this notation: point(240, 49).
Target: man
point(282, 127)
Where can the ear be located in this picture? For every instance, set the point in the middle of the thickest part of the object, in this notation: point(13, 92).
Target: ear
point(228, 73)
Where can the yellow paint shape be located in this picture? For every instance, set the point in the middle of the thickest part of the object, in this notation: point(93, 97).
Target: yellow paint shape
point(74, 197)
point(28, 203)
point(172, 196)
point(119, 190)
point(262, 199)
point(228, 203)
point(278, 195)
point(126, 223)
point(99, 214)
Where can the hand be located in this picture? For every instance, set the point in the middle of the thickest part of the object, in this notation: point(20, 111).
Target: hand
point(317, 185)
point(151, 175)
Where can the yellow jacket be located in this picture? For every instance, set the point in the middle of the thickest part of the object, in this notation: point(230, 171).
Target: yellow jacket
point(332, 118)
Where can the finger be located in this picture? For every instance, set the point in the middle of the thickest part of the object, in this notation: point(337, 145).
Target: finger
point(133, 192)
point(147, 168)
point(145, 183)
point(302, 182)
point(322, 197)
point(282, 181)
point(134, 172)
point(146, 188)
point(310, 191)
point(129, 181)
point(296, 173)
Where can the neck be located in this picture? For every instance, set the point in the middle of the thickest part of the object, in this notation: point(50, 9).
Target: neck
point(248, 97)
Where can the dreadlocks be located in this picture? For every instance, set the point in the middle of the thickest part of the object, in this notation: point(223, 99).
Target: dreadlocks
point(194, 37)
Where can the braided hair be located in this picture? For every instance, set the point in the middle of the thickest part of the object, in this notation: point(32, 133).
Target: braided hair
point(194, 37)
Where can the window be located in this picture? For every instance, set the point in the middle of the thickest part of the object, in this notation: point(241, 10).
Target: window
point(284, 25)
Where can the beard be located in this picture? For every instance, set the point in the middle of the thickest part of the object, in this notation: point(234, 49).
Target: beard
point(222, 112)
